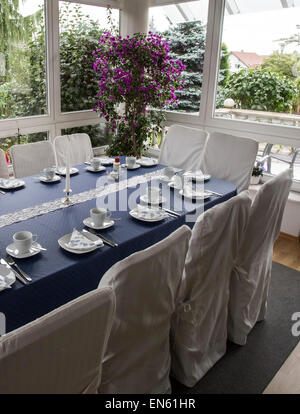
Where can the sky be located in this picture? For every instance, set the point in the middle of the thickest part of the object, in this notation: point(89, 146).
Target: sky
point(250, 32)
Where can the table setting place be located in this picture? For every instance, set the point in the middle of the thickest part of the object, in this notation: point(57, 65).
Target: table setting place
point(10, 184)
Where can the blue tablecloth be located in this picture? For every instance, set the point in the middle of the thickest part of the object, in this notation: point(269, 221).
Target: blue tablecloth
point(59, 276)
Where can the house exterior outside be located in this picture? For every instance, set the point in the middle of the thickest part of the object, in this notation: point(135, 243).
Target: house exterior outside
point(247, 60)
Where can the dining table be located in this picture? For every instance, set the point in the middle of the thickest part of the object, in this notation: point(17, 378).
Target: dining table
point(59, 276)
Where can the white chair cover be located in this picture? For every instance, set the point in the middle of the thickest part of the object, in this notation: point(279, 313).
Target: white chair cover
point(29, 159)
point(137, 360)
point(79, 145)
point(230, 158)
point(183, 147)
point(252, 273)
point(3, 165)
point(59, 353)
point(199, 325)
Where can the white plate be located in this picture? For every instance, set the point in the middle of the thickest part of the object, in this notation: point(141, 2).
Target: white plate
point(64, 240)
point(96, 171)
point(11, 184)
point(195, 196)
point(11, 249)
point(54, 180)
point(62, 171)
point(88, 222)
point(147, 162)
point(150, 215)
point(145, 199)
point(135, 167)
point(197, 177)
point(8, 276)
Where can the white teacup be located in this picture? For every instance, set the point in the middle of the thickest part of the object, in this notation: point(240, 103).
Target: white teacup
point(95, 163)
point(130, 161)
point(154, 194)
point(169, 172)
point(99, 216)
point(23, 241)
point(49, 173)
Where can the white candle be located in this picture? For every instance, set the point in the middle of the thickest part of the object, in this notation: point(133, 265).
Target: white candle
point(68, 170)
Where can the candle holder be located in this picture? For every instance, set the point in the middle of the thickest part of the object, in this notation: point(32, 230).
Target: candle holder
point(67, 200)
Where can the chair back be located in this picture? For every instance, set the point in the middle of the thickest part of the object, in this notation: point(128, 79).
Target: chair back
point(61, 352)
point(199, 328)
point(30, 159)
point(182, 147)
point(146, 283)
point(230, 158)
point(252, 273)
point(79, 146)
point(3, 165)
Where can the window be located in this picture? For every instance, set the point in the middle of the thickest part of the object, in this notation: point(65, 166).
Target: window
point(264, 36)
point(80, 27)
point(183, 26)
point(98, 134)
point(22, 59)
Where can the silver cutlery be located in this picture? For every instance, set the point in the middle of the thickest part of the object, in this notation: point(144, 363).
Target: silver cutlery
point(104, 239)
point(2, 192)
point(18, 276)
point(11, 262)
point(171, 212)
point(214, 193)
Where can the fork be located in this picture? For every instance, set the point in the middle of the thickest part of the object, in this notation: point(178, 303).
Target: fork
point(11, 262)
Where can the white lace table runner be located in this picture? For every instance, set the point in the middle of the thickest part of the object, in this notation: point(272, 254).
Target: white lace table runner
point(38, 210)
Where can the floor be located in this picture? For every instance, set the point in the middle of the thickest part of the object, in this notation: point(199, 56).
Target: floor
point(287, 379)
point(287, 252)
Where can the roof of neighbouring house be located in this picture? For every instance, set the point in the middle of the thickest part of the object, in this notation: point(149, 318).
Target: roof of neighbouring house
point(251, 60)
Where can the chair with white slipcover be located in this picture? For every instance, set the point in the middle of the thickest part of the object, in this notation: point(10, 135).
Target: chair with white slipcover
point(3, 165)
point(61, 352)
point(252, 273)
point(199, 325)
point(183, 147)
point(146, 283)
point(230, 158)
point(79, 146)
point(32, 158)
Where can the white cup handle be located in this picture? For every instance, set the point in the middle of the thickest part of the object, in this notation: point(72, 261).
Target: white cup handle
point(108, 214)
point(34, 237)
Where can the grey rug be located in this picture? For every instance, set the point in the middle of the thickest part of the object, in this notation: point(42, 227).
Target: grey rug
point(249, 369)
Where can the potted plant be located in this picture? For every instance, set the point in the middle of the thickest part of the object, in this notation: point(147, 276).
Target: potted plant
point(257, 172)
point(134, 73)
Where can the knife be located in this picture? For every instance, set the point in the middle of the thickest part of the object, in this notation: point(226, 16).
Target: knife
point(18, 276)
point(173, 213)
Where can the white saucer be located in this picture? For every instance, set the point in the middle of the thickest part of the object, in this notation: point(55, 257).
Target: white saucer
point(62, 171)
point(164, 178)
point(147, 162)
point(88, 222)
point(171, 184)
point(203, 195)
point(8, 276)
point(135, 167)
point(11, 249)
point(196, 177)
point(91, 169)
point(11, 184)
point(54, 179)
point(64, 240)
point(145, 199)
point(150, 215)
point(104, 161)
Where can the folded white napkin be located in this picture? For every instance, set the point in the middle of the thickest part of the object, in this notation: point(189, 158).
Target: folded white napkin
point(6, 183)
point(3, 283)
point(78, 241)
